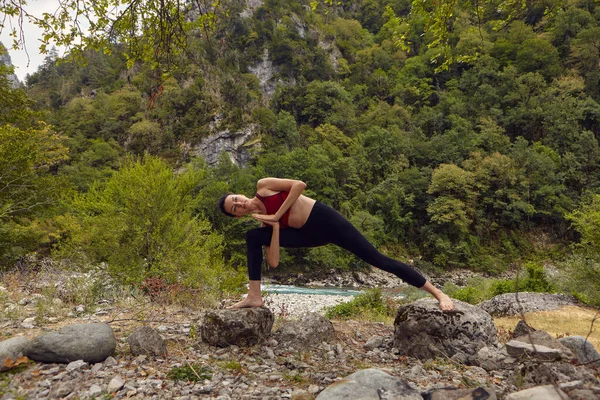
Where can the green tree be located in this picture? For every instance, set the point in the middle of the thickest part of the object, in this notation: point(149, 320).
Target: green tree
point(141, 223)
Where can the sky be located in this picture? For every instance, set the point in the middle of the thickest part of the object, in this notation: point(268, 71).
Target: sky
point(32, 33)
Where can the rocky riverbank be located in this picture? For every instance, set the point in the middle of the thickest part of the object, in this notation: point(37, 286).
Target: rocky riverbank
point(273, 368)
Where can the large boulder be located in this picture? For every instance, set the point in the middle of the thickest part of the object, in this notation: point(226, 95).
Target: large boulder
point(12, 348)
point(424, 331)
point(584, 351)
point(146, 340)
point(88, 342)
point(309, 331)
point(507, 304)
point(242, 327)
point(370, 384)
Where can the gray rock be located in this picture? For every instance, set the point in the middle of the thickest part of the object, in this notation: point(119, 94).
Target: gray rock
point(370, 384)
point(12, 348)
point(463, 394)
point(507, 305)
point(543, 338)
point(115, 384)
point(88, 342)
point(424, 331)
point(546, 392)
point(243, 327)
point(63, 390)
point(75, 365)
point(583, 350)
point(235, 144)
point(522, 329)
point(494, 359)
point(373, 342)
point(309, 331)
point(540, 352)
point(95, 391)
point(147, 341)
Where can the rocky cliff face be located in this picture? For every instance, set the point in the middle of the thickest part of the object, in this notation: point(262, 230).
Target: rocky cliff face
point(235, 144)
point(5, 60)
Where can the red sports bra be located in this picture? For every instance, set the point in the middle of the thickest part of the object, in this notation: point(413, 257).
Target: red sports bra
point(273, 203)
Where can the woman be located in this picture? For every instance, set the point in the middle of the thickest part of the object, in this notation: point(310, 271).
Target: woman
point(290, 219)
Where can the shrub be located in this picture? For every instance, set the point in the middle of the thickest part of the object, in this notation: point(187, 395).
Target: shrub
point(141, 223)
point(190, 373)
point(370, 302)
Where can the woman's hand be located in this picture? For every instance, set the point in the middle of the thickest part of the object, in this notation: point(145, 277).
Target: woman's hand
point(269, 219)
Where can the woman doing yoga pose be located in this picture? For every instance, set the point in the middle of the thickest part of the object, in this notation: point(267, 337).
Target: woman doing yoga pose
point(290, 219)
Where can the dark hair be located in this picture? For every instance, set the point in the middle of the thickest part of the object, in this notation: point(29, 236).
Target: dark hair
point(221, 204)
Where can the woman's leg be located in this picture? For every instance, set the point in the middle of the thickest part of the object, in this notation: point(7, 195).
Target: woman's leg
point(255, 240)
point(338, 230)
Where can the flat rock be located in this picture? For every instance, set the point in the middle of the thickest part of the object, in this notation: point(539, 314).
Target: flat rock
point(546, 392)
point(370, 384)
point(91, 343)
point(583, 350)
point(309, 331)
point(507, 305)
point(543, 338)
point(423, 331)
point(146, 341)
point(242, 327)
point(540, 352)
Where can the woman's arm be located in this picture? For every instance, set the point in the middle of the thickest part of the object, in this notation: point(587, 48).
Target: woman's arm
point(293, 187)
point(272, 250)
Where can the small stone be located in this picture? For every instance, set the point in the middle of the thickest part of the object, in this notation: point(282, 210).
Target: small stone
point(270, 353)
point(313, 389)
point(74, 365)
point(110, 362)
point(80, 308)
point(94, 391)
point(115, 384)
point(25, 301)
point(63, 390)
point(28, 323)
point(51, 371)
point(373, 342)
point(96, 368)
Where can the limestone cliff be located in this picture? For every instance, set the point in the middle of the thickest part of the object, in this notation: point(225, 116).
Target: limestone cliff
point(5, 60)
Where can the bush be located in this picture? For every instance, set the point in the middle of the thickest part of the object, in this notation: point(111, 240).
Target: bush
point(581, 277)
point(369, 303)
point(141, 223)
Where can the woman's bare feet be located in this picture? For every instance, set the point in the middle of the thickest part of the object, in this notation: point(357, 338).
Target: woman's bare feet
point(248, 302)
point(446, 303)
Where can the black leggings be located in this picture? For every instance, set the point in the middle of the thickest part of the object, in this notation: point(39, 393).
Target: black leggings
point(325, 225)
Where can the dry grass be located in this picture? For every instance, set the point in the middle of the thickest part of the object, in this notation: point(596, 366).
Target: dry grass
point(566, 321)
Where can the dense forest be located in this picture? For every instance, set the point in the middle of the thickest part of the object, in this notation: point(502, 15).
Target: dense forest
point(477, 147)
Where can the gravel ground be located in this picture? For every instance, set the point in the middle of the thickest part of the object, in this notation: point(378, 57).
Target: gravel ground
point(294, 305)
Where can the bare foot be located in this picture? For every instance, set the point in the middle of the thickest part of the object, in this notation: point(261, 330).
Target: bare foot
point(446, 303)
point(248, 303)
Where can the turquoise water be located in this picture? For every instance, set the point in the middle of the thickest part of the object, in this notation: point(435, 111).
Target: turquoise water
point(288, 289)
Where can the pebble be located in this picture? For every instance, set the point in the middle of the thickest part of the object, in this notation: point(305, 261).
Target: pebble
point(115, 384)
point(74, 365)
point(94, 391)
